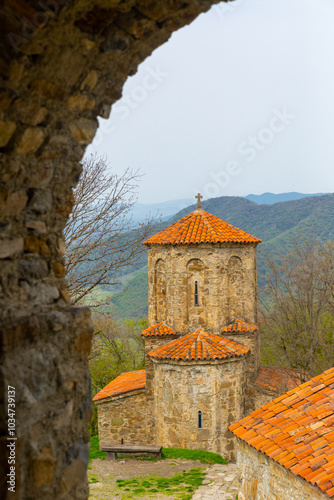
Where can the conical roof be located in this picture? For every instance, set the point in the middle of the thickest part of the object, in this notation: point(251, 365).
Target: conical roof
point(199, 345)
point(158, 330)
point(239, 327)
point(201, 227)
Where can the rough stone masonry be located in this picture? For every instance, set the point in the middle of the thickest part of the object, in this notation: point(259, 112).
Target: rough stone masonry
point(62, 63)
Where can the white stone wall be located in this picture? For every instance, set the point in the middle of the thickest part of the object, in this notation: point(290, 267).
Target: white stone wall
point(264, 479)
point(172, 271)
point(181, 389)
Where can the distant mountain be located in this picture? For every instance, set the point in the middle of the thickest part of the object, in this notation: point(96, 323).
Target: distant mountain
point(275, 224)
point(270, 198)
point(163, 210)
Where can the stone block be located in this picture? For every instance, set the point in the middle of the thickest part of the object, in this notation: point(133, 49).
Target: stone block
point(41, 201)
point(31, 140)
point(58, 269)
point(33, 244)
point(11, 248)
point(7, 130)
point(5, 100)
point(43, 467)
point(80, 103)
point(90, 81)
point(48, 89)
point(12, 203)
point(34, 114)
point(32, 268)
point(83, 130)
point(36, 225)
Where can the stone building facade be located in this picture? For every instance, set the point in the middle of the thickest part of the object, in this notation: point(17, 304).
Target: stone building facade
point(225, 274)
point(285, 448)
point(202, 349)
point(193, 400)
point(265, 479)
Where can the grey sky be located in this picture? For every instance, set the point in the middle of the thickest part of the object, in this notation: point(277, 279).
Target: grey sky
point(241, 101)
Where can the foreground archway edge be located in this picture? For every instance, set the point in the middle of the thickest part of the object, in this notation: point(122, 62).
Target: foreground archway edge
point(62, 64)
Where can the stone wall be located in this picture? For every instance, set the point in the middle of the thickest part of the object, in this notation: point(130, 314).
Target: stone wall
point(181, 390)
point(264, 479)
point(61, 65)
point(252, 341)
point(124, 419)
point(152, 343)
point(221, 282)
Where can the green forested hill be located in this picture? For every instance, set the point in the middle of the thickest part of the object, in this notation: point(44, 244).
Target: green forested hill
point(274, 224)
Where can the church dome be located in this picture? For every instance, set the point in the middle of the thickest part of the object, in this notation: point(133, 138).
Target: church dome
point(200, 345)
point(201, 227)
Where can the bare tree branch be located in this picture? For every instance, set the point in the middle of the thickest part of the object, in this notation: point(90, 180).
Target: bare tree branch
point(101, 238)
point(297, 308)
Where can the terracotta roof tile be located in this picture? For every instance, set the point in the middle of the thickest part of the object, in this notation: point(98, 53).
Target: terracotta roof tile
point(126, 382)
point(160, 329)
point(302, 438)
point(278, 379)
point(239, 326)
point(199, 345)
point(201, 227)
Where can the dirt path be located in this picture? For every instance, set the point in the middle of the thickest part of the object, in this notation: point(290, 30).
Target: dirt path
point(131, 479)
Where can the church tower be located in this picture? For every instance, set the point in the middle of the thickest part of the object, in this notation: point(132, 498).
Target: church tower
point(202, 345)
point(202, 274)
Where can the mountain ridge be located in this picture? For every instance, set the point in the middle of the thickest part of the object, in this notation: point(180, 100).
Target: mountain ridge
point(275, 224)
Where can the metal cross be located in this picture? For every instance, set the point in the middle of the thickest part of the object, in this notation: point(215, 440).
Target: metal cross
point(198, 197)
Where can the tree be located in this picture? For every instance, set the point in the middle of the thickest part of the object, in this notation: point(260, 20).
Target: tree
point(297, 308)
point(117, 347)
point(101, 238)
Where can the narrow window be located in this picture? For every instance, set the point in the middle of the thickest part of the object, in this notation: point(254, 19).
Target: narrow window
point(196, 294)
point(200, 419)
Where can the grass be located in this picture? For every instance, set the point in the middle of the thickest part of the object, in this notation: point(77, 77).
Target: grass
point(93, 478)
point(94, 451)
point(205, 457)
point(183, 485)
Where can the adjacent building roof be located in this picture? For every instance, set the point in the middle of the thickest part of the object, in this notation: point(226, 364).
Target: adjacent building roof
point(199, 345)
point(126, 382)
point(239, 326)
point(159, 329)
point(201, 227)
point(297, 431)
point(278, 379)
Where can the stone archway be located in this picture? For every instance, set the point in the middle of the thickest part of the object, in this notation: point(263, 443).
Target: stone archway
point(62, 63)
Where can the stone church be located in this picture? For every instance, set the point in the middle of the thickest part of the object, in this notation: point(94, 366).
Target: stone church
point(202, 348)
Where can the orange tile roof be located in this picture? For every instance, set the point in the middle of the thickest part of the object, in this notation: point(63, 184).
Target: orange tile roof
point(201, 227)
point(158, 330)
point(239, 326)
point(297, 431)
point(278, 379)
point(199, 345)
point(126, 382)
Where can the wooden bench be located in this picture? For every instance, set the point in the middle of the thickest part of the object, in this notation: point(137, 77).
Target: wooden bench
point(136, 450)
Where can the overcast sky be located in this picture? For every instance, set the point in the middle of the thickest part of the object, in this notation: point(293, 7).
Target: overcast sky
point(239, 102)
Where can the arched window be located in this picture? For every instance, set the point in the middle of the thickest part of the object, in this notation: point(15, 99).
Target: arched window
point(200, 419)
point(196, 294)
